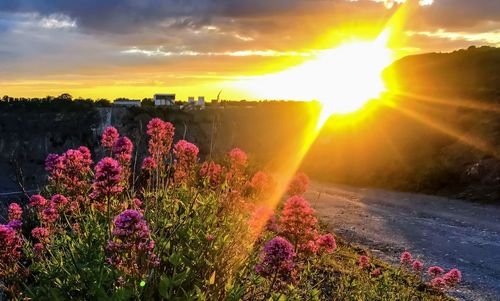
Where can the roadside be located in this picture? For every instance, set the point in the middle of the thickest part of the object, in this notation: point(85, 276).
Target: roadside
point(441, 231)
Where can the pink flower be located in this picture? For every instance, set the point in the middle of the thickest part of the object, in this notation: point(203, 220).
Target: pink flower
point(38, 249)
point(210, 237)
point(131, 248)
point(453, 277)
point(298, 185)
point(238, 159)
point(109, 137)
point(108, 178)
point(277, 258)
point(438, 283)
point(364, 262)
point(50, 214)
point(75, 227)
point(261, 183)
point(161, 136)
point(186, 155)
point(298, 221)
point(376, 273)
point(149, 164)
point(37, 201)
point(40, 233)
point(70, 170)
point(15, 212)
point(405, 258)
point(435, 271)
point(10, 253)
point(60, 201)
point(211, 171)
point(327, 243)
point(122, 150)
point(417, 266)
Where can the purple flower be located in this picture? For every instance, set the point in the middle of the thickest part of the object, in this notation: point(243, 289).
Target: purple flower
point(122, 149)
point(15, 224)
point(131, 248)
point(277, 257)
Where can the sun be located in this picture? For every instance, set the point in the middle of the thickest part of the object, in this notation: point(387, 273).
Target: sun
point(343, 79)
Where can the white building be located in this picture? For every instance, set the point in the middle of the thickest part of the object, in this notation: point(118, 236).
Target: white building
point(164, 99)
point(201, 101)
point(127, 103)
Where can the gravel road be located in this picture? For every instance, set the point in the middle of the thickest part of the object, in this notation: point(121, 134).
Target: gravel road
point(446, 232)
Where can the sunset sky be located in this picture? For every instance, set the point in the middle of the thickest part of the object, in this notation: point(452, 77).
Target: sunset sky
point(135, 48)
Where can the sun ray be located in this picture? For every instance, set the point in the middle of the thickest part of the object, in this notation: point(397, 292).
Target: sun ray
point(450, 131)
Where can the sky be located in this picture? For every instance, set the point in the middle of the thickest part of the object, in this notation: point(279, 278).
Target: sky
point(135, 48)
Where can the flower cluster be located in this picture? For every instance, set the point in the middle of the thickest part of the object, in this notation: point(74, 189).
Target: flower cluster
point(186, 156)
point(212, 172)
point(277, 258)
point(131, 247)
point(10, 251)
point(298, 222)
point(438, 280)
point(41, 234)
point(405, 259)
point(109, 137)
point(238, 159)
point(122, 150)
point(15, 212)
point(364, 262)
point(149, 164)
point(261, 184)
point(298, 185)
point(70, 170)
point(161, 136)
point(108, 178)
point(327, 243)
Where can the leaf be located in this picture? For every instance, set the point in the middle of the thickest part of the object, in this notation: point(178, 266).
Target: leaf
point(164, 286)
point(212, 279)
point(175, 259)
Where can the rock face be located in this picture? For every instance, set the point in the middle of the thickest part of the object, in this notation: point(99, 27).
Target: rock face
point(27, 135)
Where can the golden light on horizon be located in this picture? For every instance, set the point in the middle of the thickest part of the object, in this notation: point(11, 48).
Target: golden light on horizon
point(343, 78)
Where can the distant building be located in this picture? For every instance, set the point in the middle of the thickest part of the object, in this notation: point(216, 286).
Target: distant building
point(191, 100)
point(201, 102)
point(127, 103)
point(164, 99)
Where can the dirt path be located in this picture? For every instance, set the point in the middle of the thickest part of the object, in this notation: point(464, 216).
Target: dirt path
point(446, 232)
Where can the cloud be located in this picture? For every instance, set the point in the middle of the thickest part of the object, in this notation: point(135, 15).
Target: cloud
point(491, 38)
point(159, 52)
point(57, 21)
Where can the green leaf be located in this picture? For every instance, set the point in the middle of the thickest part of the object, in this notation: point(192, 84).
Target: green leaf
point(175, 259)
point(164, 287)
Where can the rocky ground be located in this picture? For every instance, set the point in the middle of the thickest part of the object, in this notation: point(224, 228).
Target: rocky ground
point(439, 231)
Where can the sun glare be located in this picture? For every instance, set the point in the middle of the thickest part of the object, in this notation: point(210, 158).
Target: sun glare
point(343, 79)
